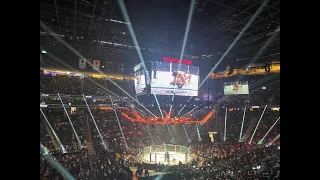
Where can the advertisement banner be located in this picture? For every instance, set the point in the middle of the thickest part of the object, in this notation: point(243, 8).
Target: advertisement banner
point(148, 77)
point(109, 66)
point(96, 64)
point(121, 67)
point(139, 80)
point(82, 63)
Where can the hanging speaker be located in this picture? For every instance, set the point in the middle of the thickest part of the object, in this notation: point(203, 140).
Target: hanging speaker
point(231, 70)
point(267, 68)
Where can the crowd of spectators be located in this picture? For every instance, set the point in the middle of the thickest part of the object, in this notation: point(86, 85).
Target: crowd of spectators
point(268, 119)
point(59, 121)
point(229, 161)
point(73, 85)
point(225, 160)
point(234, 122)
point(45, 137)
point(240, 163)
point(85, 167)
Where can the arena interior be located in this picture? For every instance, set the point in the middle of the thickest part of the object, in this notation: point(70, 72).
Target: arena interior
point(170, 90)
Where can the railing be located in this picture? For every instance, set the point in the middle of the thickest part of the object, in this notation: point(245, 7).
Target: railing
point(165, 148)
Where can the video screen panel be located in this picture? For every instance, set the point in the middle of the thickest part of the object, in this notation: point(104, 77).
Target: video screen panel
point(235, 88)
point(139, 80)
point(164, 81)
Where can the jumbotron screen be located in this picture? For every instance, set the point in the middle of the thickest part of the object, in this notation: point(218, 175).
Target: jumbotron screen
point(168, 79)
point(139, 80)
point(235, 88)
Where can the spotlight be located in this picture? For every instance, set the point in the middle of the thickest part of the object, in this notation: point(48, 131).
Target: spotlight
point(267, 68)
point(43, 52)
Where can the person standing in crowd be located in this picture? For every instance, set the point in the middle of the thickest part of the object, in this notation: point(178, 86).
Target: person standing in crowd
point(146, 173)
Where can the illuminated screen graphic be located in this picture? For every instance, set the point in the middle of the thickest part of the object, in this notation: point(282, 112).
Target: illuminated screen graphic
point(164, 81)
point(139, 80)
point(234, 88)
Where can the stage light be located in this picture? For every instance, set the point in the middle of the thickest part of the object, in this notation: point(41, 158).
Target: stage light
point(64, 151)
point(44, 52)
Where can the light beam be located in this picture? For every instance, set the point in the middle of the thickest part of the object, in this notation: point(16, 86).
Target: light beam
point(254, 132)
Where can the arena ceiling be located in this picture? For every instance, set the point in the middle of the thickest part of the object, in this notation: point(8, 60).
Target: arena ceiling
point(160, 25)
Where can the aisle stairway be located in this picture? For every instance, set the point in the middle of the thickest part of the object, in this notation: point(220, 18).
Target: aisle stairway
point(53, 139)
point(247, 135)
point(269, 143)
point(88, 136)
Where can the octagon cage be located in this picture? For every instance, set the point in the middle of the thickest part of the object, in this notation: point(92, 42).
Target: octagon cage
point(166, 154)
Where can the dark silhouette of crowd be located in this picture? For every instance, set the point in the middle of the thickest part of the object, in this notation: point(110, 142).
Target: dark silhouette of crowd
point(228, 161)
point(82, 166)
